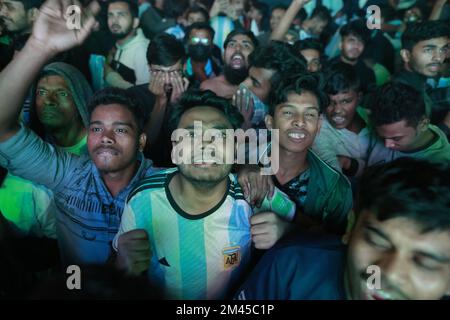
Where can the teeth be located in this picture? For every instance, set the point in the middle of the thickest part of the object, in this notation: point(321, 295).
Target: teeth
point(296, 135)
point(201, 161)
point(338, 119)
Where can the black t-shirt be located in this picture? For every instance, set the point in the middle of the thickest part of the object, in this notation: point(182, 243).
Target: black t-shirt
point(365, 74)
point(160, 151)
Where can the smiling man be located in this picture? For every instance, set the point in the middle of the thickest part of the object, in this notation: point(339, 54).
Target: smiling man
point(399, 116)
point(322, 194)
point(193, 219)
point(402, 232)
point(344, 138)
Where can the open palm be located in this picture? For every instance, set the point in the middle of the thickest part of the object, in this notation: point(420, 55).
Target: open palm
point(50, 28)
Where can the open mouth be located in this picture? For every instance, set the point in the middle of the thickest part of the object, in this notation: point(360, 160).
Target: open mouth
point(203, 163)
point(297, 136)
point(339, 120)
point(237, 61)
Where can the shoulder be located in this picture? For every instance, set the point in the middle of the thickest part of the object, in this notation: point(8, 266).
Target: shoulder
point(151, 183)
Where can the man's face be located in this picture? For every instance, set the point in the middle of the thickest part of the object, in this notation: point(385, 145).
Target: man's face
point(258, 81)
point(413, 264)
point(204, 166)
point(237, 52)
point(427, 57)
point(14, 16)
point(312, 58)
point(352, 47)
point(120, 20)
point(168, 72)
point(276, 17)
point(315, 26)
point(341, 111)
point(399, 136)
point(194, 17)
point(55, 107)
point(113, 140)
point(298, 120)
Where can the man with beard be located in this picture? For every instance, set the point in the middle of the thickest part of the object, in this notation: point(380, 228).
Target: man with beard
point(193, 219)
point(399, 248)
point(126, 64)
point(201, 64)
point(238, 45)
point(354, 37)
point(425, 47)
point(89, 190)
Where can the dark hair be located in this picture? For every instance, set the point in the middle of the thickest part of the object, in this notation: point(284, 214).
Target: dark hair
point(132, 5)
point(279, 57)
point(30, 4)
point(198, 9)
point(427, 30)
point(341, 77)
point(278, 7)
point(299, 83)
point(195, 98)
point(410, 188)
point(165, 50)
point(199, 25)
point(321, 13)
point(175, 8)
point(394, 102)
point(237, 32)
point(113, 95)
point(309, 43)
point(356, 28)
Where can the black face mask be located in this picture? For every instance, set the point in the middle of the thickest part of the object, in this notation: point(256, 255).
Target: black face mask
point(199, 52)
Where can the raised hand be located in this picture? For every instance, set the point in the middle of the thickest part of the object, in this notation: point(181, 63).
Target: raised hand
point(50, 31)
point(243, 100)
point(179, 85)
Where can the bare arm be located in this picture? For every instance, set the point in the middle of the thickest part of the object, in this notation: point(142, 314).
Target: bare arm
point(437, 9)
point(50, 36)
point(289, 16)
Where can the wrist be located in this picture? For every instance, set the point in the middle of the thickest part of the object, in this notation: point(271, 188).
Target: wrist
point(39, 48)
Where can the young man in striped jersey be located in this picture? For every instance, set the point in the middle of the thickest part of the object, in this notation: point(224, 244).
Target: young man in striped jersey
point(190, 226)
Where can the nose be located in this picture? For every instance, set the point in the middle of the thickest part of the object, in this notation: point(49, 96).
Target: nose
point(394, 269)
point(389, 143)
point(107, 137)
point(299, 121)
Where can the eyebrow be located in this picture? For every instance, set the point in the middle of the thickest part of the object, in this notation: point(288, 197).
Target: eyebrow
point(307, 108)
point(116, 123)
point(373, 229)
point(255, 80)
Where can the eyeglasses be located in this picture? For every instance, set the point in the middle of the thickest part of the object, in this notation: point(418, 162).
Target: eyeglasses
point(197, 40)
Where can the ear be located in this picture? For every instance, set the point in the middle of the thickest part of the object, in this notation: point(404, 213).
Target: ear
point(32, 14)
point(142, 142)
point(423, 124)
point(269, 121)
point(135, 23)
point(359, 98)
point(319, 123)
point(406, 55)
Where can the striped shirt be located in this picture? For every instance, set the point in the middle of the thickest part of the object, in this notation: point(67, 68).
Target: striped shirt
point(193, 256)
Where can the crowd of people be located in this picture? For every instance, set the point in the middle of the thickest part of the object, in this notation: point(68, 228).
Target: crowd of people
point(114, 152)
